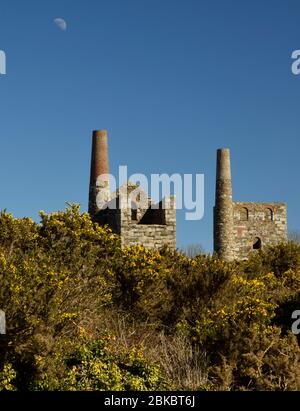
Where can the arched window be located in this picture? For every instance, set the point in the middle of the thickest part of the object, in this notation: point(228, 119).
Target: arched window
point(269, 214)
point(244, 214)
point(256, 243)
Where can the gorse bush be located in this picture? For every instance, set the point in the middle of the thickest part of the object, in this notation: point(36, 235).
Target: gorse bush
point(84, 314)
point(95, 365)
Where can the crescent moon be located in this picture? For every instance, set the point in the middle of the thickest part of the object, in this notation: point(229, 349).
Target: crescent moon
point(61, 23)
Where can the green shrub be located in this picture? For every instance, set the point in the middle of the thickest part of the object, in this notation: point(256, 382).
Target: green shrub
point(64, 281)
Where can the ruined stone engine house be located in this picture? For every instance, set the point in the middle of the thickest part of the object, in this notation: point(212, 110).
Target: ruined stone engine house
point(239, 227)
point(243, 227)
point(128, 211)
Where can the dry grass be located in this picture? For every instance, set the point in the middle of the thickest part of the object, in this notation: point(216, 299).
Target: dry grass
point(180, 361)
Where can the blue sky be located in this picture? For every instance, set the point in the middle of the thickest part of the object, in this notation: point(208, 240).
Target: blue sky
point(171, 80)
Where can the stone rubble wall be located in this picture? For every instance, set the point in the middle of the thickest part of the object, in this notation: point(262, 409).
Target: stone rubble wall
point(150, 235)
point(155, 231)
point(270, 228)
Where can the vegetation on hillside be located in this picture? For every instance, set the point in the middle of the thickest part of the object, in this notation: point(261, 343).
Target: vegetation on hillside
point(84, 314)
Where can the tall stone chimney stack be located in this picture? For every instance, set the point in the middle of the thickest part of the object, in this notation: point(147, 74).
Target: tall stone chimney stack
point(99, 191)
point(223, 210)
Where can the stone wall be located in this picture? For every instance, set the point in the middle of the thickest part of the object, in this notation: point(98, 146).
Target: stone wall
point(257, 225)
point(146, 231)
point(128, 211)
point(152, 227)
point(241, 228)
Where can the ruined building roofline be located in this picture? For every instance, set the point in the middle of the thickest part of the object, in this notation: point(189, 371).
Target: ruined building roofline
point(263, 203)
point(243, 227)
point(128, 211)
point(170, 201)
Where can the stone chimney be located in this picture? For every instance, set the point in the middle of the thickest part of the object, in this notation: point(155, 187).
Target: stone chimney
point(223, 210)
point(99, 191)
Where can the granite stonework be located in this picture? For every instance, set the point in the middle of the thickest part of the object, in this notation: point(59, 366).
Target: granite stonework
point(128, 211)
point(241, 228)
point(257, 225)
